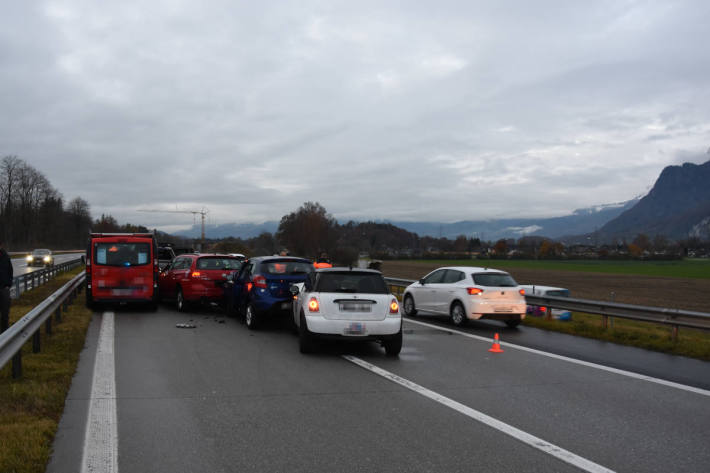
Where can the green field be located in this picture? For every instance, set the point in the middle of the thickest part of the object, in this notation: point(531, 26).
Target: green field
point(686, 268)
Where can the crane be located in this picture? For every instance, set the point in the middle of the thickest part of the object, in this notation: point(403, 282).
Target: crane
point(202, 213)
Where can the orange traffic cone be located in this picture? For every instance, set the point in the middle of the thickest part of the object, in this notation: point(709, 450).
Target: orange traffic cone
point(496, 346)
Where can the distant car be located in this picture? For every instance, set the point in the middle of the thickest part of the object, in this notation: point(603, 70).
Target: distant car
point(40, 257)
point(193, 278)
point(538, 311)
point(467, 293)
point(165, 256)
point(262, 287)
point(346, 304)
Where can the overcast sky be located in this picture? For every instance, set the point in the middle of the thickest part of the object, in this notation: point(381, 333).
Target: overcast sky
point(439, 111)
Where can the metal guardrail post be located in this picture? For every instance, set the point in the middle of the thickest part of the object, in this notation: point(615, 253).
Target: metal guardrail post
point(58, 314)
point(17, 365)
point(36, 342)
point(48, 326)
point(674, 333)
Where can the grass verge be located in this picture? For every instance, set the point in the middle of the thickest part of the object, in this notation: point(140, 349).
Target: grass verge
point(32, 405)
point(693, 343)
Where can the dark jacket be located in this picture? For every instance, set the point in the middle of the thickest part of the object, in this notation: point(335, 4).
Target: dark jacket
point(5, 269)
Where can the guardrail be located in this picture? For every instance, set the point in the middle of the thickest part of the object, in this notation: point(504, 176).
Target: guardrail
point(12, 339)
point(675, 318)
point(25, 282)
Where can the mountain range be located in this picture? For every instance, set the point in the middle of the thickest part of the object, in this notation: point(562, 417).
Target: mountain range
point(677, 206)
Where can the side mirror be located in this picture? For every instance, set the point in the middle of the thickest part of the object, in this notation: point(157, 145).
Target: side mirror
point(421, 281)
point(294, 290)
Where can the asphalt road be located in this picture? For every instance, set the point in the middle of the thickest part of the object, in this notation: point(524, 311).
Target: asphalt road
point(221, 398)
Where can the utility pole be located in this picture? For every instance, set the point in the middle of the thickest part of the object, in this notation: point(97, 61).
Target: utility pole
point(202, 213)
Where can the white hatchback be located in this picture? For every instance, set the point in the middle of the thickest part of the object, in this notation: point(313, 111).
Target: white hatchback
point(346, 304)
point(465, 292)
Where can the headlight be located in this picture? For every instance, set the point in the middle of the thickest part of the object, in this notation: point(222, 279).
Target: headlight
point(29, 258)
point(47, 259)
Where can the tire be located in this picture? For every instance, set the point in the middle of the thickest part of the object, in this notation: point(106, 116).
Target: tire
point(457, 314)
point(180, 301)
point(393, 345)
point(513, 323)
point(305, 339)
point(410, 309)
point(251, 318)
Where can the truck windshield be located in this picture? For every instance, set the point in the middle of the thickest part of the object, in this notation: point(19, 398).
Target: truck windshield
point(121, 254)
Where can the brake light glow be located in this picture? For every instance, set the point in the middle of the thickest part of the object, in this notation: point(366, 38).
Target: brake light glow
point(313, 305)
point(394, 307)
point(249, 286)
point(522, 292)
point(195, 274)
point(474, 291)
point(543, 309)
point(259, 281)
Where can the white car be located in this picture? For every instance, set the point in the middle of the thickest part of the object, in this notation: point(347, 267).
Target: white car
point(346, 304)
point(560, 314)
point(464, 293)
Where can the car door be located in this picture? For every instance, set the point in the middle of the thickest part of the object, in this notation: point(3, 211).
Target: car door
point(179, 274)
point(446, 291)
point(424, 294)
point(241, 286)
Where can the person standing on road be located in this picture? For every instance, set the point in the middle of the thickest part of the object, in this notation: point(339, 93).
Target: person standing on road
point(5, 284)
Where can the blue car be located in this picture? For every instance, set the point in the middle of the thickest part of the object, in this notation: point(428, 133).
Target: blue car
point(262, 287)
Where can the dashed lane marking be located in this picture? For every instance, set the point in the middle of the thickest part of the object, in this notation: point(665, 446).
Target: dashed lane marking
point(535, 442)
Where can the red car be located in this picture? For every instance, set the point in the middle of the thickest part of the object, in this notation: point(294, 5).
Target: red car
point(193, 278)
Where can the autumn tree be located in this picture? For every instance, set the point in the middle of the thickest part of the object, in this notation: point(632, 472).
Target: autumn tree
point(308, 231)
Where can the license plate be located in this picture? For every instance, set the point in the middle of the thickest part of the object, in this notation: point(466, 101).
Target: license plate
point(503, 309)
point(121, 292)
point(285, 305)
point(354, 307)
point(355, 328)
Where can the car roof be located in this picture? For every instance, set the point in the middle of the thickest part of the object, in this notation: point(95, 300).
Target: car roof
point(266, 259)
point(346, 269)
point(473, 269)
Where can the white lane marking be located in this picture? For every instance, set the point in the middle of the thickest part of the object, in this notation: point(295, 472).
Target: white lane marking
point(630, 374)
point(535, 442)
point(101, 440)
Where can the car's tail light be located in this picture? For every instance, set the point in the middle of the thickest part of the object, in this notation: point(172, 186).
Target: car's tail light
point(394, 307)
point(543, 309)
point(195, 274)
point(313, 305)
point(259, 281)
point(522, 292)
point(474, 291)
point(249, 286)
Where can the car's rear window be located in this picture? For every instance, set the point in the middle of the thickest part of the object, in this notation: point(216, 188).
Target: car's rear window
point(122, 254)
point(41, 252)
point(165, 253)
point(351, 282)
point(493, 280)
point(218, 263)
point(286, 267)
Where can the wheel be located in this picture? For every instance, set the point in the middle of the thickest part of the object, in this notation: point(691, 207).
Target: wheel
point(458, 314)
point(305, 339)
point(251, 318)
point(393, 345)
point(180, 301)
point(513, 323)
point(410, 310)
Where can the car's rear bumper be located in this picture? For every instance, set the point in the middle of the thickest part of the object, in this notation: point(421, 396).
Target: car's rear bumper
point(497, 311)
point(320, 326)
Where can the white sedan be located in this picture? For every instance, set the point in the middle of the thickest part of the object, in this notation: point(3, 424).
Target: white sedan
point(467, 293)
point(346, 304)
